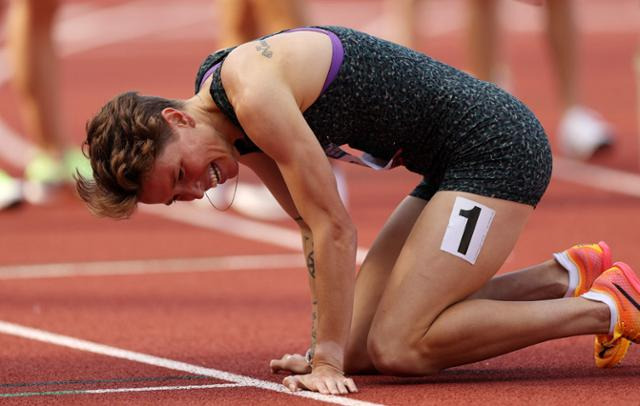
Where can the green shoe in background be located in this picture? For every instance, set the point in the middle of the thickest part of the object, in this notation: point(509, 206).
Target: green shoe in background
point(73, 160)
point(44, 177)
point(44, 169)
point(10, 191)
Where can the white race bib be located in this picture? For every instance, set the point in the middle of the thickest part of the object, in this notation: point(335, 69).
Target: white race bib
point(468, 227)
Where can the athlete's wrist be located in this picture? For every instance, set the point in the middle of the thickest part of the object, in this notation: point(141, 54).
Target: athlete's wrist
point(328, 354)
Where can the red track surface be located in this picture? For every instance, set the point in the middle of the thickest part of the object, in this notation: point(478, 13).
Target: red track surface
point(236, 321)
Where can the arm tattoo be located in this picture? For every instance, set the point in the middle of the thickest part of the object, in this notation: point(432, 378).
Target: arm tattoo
point(311, 265)
point(264, 48)
point(314, 323)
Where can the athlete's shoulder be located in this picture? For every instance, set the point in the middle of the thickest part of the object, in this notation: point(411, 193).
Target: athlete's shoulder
point(210, 61)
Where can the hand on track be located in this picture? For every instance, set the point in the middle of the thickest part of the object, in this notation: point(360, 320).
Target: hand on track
point(323, 379)
point(295, 363)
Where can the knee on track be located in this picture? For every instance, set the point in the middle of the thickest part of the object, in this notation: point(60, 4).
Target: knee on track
point(394, 356)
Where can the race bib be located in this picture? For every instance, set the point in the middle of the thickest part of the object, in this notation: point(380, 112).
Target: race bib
point(468, 227)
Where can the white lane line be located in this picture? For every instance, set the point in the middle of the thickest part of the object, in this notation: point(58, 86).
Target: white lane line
point(585, 174)
point(118, 390)
point(152, 266)
point(135, 19)
point(96, 348)
point(193, 214)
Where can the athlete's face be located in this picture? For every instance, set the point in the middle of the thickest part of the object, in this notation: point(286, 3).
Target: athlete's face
point(195, 159)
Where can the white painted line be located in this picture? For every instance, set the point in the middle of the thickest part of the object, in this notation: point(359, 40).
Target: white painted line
point(96, 348)
point(152, 266)
point(612, 180)
point(212, 219)
point(193, 214)
point(119, 390)
point(131, 20)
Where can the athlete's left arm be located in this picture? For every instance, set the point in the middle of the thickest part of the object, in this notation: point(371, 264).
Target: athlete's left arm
point(270, 114)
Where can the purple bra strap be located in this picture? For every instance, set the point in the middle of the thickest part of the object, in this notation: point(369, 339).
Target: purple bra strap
point(209, 73)
point(336, 57)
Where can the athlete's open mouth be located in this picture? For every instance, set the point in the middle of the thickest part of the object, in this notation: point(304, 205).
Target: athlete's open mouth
point(214, 174)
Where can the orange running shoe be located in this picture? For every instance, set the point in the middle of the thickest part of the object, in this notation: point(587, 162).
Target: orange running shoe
point(584, 262)
point(618, 287)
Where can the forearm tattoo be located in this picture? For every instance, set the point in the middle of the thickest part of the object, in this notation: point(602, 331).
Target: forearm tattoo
point(307, 240)
point(264, 48)
point(314, 324)
point(311, 263)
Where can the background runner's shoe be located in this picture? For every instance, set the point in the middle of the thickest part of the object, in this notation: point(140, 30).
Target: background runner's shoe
point(74, 160)
point(44, 168)
point(582, 132)
point(10, 191)
point(619, 287)
point(44, 176)
point(587, 261)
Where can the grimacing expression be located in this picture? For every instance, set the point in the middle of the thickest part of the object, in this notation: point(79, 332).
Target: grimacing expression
point(192, 162)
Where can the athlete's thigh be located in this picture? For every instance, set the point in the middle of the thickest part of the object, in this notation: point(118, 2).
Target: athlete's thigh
point(428, 277)
point(376, 268)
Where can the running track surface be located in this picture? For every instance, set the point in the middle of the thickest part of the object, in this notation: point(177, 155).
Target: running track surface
point(172, 310)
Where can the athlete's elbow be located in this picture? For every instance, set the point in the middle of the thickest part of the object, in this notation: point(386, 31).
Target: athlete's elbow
point(344, 233)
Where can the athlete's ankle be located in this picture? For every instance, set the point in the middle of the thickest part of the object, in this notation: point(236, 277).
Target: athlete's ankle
point(601, 313)
point(557, 277)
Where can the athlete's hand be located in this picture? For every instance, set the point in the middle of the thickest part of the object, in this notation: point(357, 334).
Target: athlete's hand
point(324, 379)
point(295, 363)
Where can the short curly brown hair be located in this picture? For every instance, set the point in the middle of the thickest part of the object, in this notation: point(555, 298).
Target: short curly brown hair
point(123, 141)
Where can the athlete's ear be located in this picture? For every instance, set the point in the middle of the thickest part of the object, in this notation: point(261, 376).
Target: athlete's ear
point(177, 117)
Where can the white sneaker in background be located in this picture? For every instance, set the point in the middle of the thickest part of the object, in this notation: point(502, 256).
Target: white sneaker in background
point(39, 193)
point(256, 201)
point(10, 191)
point(582, 132)
point(249, 199)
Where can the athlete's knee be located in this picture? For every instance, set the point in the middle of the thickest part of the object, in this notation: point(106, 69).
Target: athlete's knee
point(393, 355)
point(357, 361)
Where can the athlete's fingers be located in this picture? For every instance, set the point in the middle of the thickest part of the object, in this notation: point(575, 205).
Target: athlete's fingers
point(278, 364)
point(342, 389)
point(275, 365)
point(293, 383)
point(351, 385)
point(321, 387)
point(332, 385)
point(295, 363)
